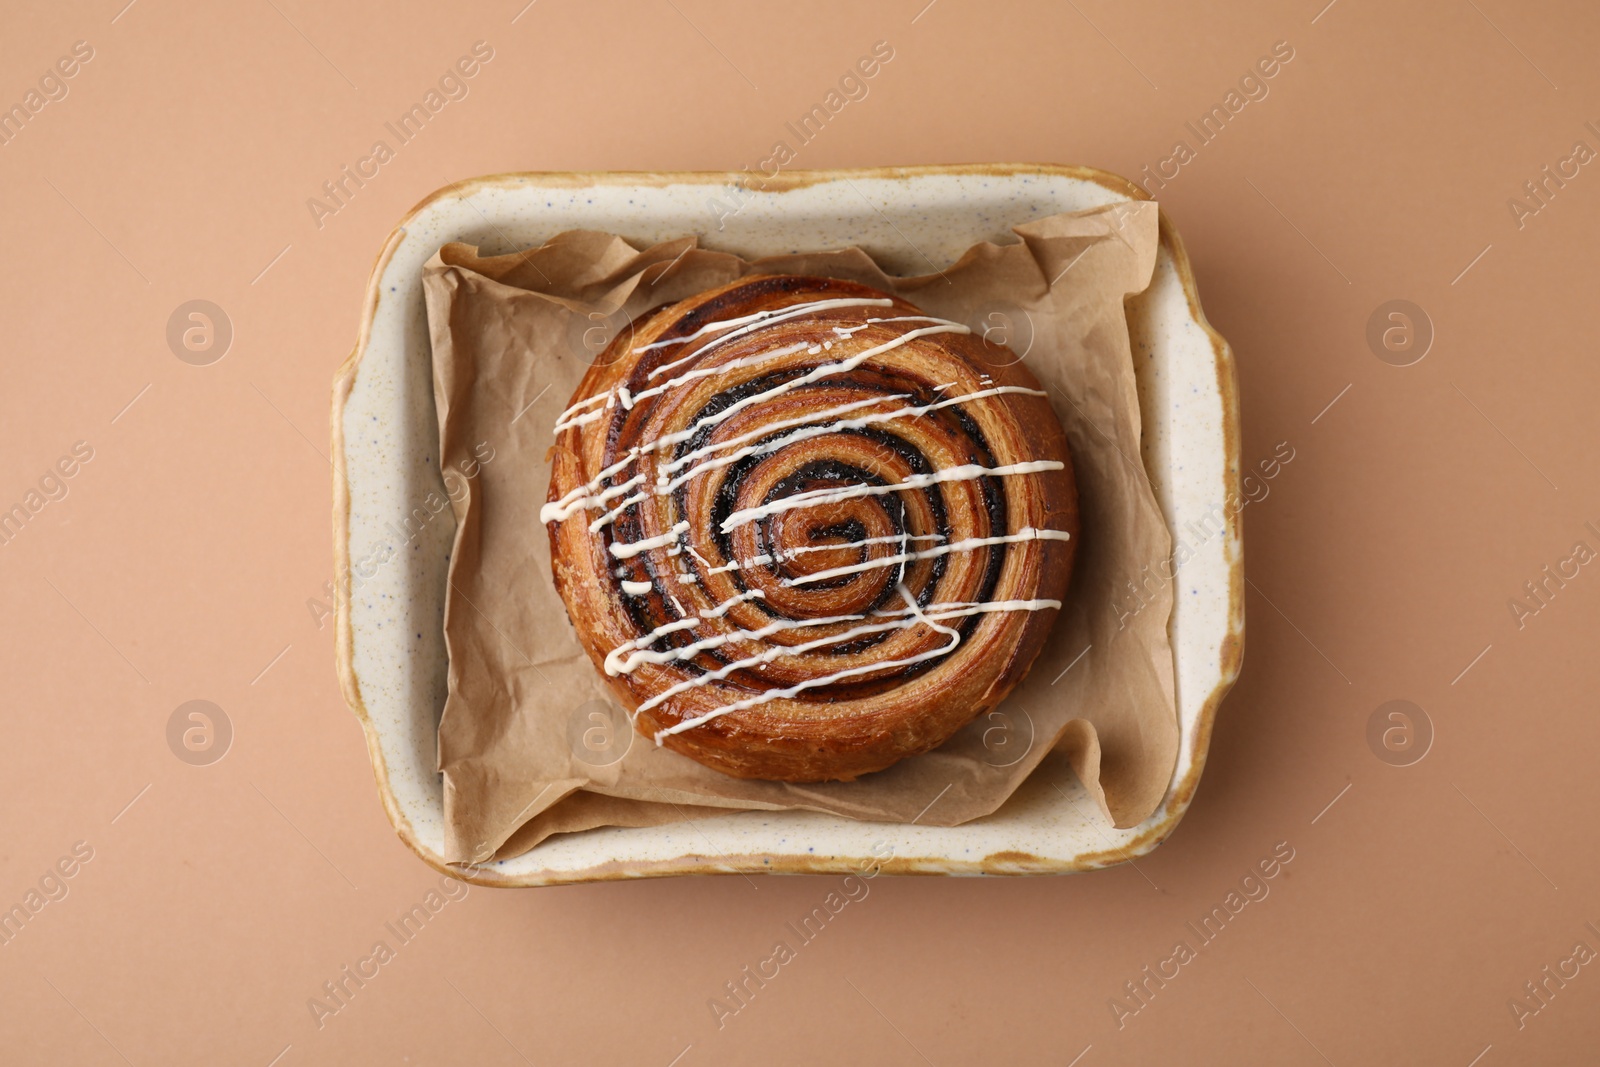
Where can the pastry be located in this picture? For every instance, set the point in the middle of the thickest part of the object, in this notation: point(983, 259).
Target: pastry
point(806, 530)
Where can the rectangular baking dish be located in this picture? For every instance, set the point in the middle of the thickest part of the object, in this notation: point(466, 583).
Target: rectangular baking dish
point(390, 645)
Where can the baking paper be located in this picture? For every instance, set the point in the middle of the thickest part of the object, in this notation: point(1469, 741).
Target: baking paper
point(532, 742)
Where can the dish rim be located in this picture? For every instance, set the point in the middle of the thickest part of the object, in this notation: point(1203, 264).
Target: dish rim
point(1231, 645)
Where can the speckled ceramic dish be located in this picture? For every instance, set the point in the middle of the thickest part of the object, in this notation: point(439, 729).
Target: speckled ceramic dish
point(391, 652)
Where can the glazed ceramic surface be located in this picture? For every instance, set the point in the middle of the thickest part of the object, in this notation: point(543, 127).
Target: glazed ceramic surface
point(391, 649)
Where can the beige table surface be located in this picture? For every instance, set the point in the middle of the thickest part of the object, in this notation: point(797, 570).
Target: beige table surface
point(186, 558)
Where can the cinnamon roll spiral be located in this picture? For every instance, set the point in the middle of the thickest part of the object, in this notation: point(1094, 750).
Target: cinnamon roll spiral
point(807, 530)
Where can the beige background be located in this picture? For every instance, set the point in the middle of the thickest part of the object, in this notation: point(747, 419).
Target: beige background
point(219, 898)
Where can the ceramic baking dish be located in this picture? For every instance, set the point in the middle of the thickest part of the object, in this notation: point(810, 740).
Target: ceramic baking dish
point(391, 653)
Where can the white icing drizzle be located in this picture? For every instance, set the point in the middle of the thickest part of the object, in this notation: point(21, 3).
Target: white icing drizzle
point(565, 419)
point(892, 538)
point(813, 425)
point(633, 548)
point(1027, 533)
point(811, 430)
point(625, 659)
point(964, 473)
point(706, 372)
point(628, 399)
point(808, 683)
point(586, 402)
point(586, 496)
point(747, 323)
point(568, 505)
point(684, 623)
point(782, 424)
point(583, 420)
point(562, 508)
point(764, 558)
point(826, 370)
point(689, 651)
point(612, 501)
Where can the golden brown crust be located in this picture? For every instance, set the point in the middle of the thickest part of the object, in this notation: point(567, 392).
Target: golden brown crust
point(820, 637)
